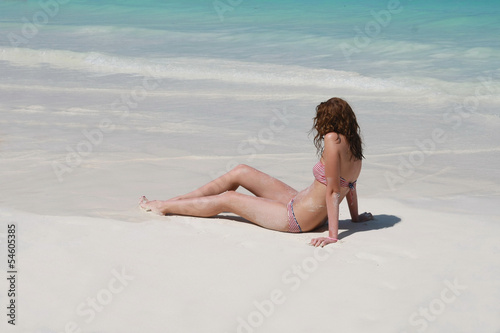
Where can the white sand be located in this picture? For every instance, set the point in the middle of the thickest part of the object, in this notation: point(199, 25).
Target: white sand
point(183, 274)
point(90, 261)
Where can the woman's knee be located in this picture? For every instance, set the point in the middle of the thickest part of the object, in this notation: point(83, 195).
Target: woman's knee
point(227, 199)
point(239, 173)
point(242, 169)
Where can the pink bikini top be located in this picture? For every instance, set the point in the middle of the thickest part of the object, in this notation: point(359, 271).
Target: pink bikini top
point(319, 174)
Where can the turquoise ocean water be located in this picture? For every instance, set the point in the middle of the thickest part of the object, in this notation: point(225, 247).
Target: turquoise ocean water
point(449, 40)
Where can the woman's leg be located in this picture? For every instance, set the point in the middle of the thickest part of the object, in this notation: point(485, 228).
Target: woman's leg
point(260, 184)
point(267, 213)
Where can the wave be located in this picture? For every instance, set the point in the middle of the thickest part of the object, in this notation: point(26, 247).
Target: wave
point(233, 72)
point(190, 68)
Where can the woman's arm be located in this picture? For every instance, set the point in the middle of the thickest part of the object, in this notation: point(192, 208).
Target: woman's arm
point(331, 155)
point(332, 206)
point(352, 201)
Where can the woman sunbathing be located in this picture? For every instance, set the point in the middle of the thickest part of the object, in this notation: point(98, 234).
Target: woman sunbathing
point(277, 206)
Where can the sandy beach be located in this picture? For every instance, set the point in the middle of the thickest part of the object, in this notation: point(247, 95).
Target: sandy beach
point(89, 260)
point(87, 128)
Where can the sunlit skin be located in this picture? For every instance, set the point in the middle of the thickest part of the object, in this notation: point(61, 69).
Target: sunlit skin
point(267, 207)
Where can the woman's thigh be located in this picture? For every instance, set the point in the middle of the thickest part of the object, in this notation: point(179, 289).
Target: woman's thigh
point(267, 213)
point(263, 185)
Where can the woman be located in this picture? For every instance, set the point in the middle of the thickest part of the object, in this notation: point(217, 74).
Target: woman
point(276, 205)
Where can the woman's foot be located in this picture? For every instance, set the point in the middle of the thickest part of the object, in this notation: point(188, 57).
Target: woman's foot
point(151, 206)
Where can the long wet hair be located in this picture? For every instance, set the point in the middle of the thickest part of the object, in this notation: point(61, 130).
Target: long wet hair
point(336, 115)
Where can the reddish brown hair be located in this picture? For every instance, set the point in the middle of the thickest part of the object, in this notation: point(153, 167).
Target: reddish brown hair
point(336, 115)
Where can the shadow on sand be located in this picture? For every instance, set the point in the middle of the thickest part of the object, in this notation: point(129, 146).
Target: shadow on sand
point(346, 227)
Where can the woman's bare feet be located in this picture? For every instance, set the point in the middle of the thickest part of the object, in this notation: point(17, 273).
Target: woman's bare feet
point(151, 206)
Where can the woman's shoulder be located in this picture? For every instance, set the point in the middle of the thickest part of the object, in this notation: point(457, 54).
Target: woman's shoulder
point(333, 137)
point(335, 142)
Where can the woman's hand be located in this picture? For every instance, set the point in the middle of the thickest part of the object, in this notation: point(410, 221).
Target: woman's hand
point(322, 241)
point(364, 217)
